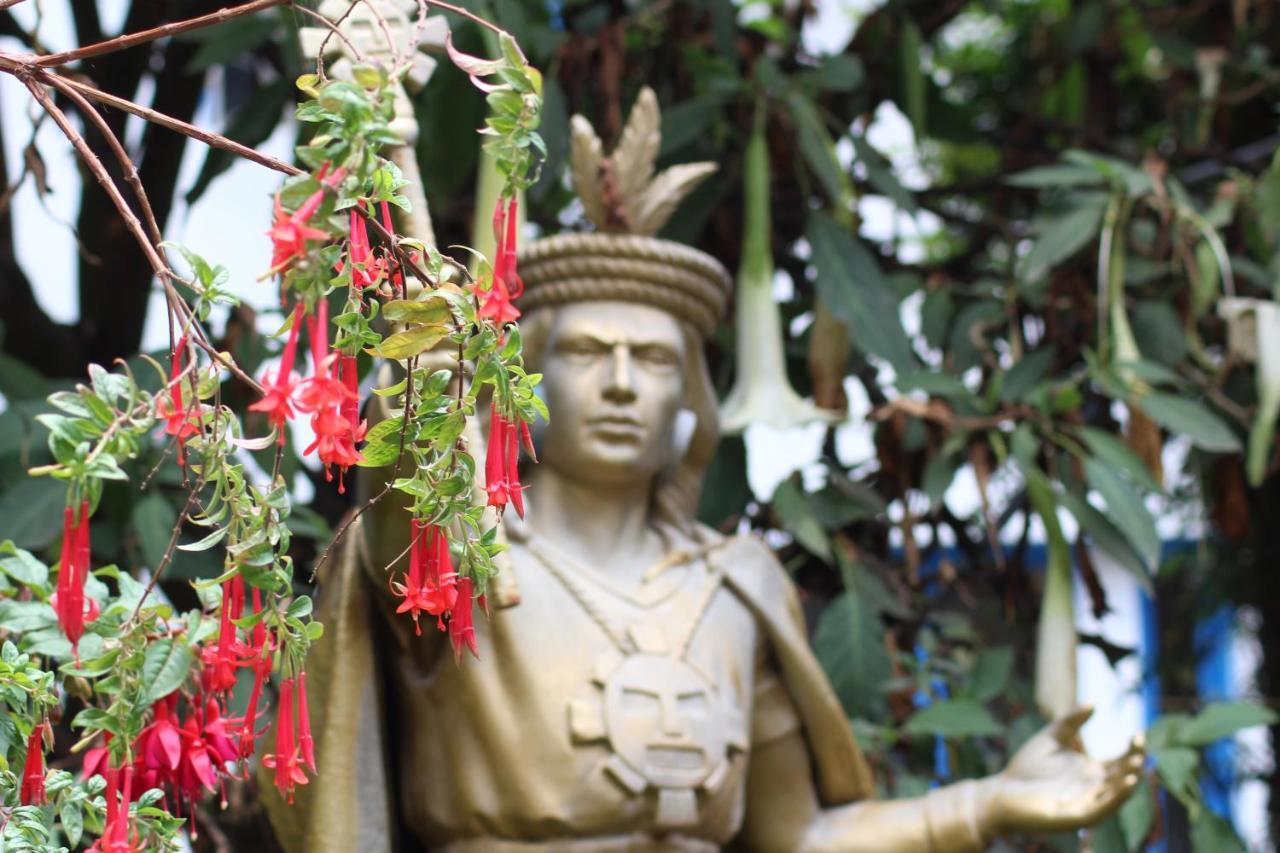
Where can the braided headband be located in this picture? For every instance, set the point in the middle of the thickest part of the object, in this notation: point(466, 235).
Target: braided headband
point(679, 279)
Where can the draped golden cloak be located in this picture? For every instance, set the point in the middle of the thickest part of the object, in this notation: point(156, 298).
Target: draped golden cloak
point(371, 682)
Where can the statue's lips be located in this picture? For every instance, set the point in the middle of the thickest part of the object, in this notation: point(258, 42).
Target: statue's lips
point(616, 427)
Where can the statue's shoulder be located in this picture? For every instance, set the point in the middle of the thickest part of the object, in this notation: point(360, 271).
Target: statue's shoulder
point(751, 568)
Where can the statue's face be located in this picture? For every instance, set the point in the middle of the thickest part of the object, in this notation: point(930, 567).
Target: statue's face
point(614, 380)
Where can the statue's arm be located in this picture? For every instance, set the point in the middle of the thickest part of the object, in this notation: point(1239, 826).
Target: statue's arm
point(783, 815)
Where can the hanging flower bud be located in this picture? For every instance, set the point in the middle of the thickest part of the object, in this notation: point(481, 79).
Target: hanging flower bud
point(305, 741)
point(461, 630)
point(32, 792)
point(502, 462)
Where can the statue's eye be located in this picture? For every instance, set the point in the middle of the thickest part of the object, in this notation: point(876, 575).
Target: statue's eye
point(656, 356)
point(580, 349)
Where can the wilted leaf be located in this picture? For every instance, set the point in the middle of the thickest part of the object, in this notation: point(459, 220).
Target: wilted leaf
point(411, 342)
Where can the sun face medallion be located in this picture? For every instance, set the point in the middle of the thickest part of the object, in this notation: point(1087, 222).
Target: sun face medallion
point(668, 728)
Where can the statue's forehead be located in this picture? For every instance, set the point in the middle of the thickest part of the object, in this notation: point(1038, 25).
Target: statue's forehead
point(617, 321)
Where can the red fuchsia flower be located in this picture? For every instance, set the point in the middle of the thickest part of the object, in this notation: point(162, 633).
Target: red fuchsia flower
point(350, 376)
point(290, 232)
point(69, 599)
point(333, 401)
point(277, 402)
point(395, 275)
point(495, 303)
point(223, 660)
point(367, 271)
point(462, 631)
point(31, 791)
point(288, 770)
point(305, 742)
point(119, 835)
point(180, 421)
point(430, 585)
point(97, 759)
point(222, 746)
point(197, 770)
point(248, 734)
point(502, 463)
point(334, 444)
point(159, 745)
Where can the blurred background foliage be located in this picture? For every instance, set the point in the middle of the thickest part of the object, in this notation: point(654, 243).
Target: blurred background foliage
point(1104, 192)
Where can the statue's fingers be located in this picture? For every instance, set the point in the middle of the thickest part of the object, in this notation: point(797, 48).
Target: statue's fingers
point(1066, 729)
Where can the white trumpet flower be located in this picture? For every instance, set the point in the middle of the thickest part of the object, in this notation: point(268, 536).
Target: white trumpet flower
point(761, 392)
point(1253, 334)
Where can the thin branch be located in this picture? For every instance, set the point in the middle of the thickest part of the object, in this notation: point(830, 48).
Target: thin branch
point(99, 171)
point(92, 115)
point(164, 30)
point(213, 140)
point(334, 29)
point(168, 551)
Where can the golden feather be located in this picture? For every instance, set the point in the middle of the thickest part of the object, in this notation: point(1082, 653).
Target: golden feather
point(637, 149)
point(664, 193)
point(585, 159)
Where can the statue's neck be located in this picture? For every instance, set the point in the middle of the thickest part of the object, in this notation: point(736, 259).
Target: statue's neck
point(608, 526)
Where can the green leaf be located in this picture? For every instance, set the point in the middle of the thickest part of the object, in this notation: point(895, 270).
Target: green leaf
point(1221, 719)
point(1056, 175)
point(839, 72)
point(1210, 832)
point(881, 175)
point(22, 566)
point(31, 512)
point(1126, 509)
point(817, 147)
point(164, 668)
point(953, 718)
point(1113, 452)
point(990, 673)
point(849, 643)
point(411, 342)
point(1136, 816)
point(72, 821)
point(1026, 374)
point(1177, 768)
point(851, 283)
point(153, 520)
point(205, 543)
point(1205, 429)
point(19, 381)
point(910, 56)
point(792, 505)
point(1062, 234)
point(1106, 537)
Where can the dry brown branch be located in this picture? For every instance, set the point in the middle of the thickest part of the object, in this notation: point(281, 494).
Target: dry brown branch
point(91, 115)
point(164, 30)
point(213, 140)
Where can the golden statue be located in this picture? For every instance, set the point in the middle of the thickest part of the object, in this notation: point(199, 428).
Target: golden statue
point(650, 687)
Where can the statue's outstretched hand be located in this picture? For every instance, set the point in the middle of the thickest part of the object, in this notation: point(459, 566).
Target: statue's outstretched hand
point(1052, 785)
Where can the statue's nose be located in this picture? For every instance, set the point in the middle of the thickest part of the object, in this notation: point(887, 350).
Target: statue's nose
point(620, 387)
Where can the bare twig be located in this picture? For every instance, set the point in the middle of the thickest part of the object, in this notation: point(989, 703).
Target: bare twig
point(213, 140)
point(162, 31)
point(334, 30)
point(99, 171)
point(168, 551)
point(91, 115)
